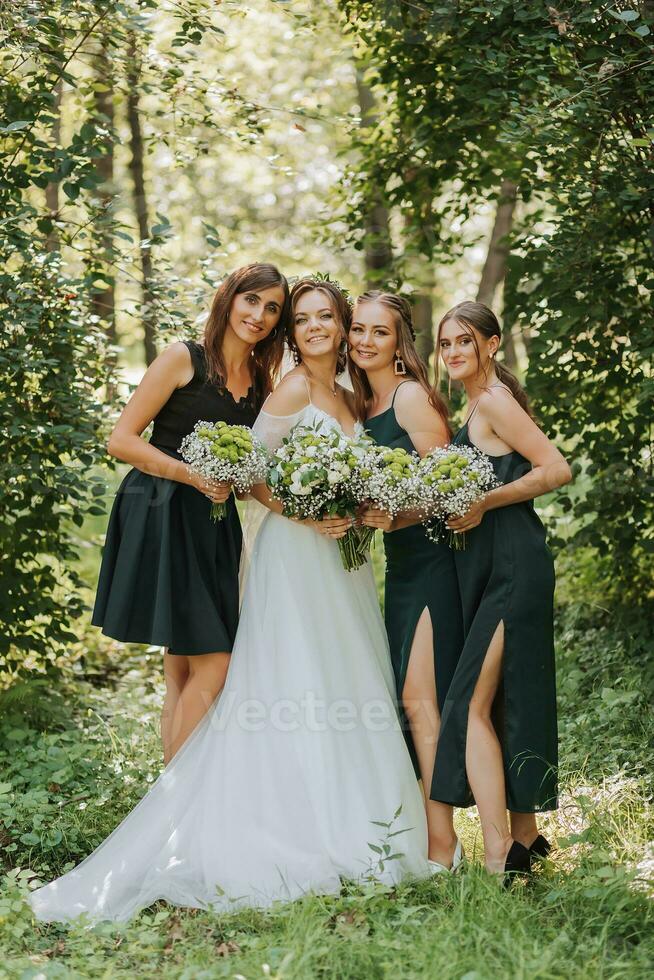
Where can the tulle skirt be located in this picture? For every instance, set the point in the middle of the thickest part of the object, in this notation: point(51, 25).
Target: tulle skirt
point(298, 775)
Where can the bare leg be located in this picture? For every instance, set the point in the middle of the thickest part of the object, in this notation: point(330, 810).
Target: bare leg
point(484, 762)
point(421, 705)
point(524, 828)
point(176, 672)
point(207, 673)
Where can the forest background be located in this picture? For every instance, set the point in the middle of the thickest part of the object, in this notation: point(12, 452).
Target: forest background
point(498, 150)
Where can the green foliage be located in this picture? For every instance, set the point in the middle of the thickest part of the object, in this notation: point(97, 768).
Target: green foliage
point(557, 99)
point(51, 350)
point(604, 689)
point(50, 367)
point(63, 787)
point(587, 913)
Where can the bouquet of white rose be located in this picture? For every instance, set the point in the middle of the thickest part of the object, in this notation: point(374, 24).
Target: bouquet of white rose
point(311, 476)
point(225, 453)
point(386, 479)
point(449, 481)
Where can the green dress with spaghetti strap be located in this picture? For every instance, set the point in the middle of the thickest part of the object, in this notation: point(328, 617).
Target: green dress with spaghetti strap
point(505, 574)
point(169, 574)
point(420, 574)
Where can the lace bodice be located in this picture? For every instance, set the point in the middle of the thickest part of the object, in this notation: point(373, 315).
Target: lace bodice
point(272, 429)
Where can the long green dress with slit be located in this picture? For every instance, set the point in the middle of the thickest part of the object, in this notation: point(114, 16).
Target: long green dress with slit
point(420, 574)
point(506, 574)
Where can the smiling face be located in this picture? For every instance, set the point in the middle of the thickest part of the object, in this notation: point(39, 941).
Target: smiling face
point(254, 315)
point(373, 336)
point(466, 353)
point(316, 329)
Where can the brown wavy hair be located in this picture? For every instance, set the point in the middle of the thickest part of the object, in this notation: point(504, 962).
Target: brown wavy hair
point(416, 369)
point(340, 305)
point(267, 354)
point(476, 316)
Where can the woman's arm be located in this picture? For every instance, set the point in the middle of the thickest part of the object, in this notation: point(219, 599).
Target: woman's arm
point(171, 370)
point(510, 422)
point(426, 430)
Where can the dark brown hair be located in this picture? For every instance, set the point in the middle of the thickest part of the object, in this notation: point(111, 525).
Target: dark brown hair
point(267, 354)
point(416, 369)
point(476, 316)
point(340, 304)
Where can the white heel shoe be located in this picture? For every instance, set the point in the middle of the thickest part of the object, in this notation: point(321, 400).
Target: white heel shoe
point(436, 868)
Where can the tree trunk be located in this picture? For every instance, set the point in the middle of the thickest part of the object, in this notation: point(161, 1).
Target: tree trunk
point(140, 200)
point(52, 189)
point(378, 249)
point(494, 269)
point(104, 300)
point(423, 321)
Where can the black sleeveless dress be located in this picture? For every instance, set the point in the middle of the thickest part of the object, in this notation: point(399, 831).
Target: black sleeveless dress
point(505, 572)
point(420, 574)
point(169, 574)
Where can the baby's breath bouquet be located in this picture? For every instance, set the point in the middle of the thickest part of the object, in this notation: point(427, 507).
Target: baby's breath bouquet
point(311, 475)
point(386, 479)
point(225, 453)
point(449, 482)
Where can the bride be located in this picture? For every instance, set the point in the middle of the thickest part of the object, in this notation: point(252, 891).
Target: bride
point(287, 782)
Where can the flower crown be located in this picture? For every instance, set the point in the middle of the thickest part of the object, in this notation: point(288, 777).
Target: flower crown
point(325, 277)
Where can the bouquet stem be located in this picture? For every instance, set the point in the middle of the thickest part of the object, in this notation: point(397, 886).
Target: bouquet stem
point(218, 511)
point(366, 535)
point(437, 530)
point(457, 542)
point(353, 550)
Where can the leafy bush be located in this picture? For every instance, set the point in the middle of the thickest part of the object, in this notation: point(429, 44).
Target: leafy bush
point(50, 368)
point(52, 361)
point(558, 101)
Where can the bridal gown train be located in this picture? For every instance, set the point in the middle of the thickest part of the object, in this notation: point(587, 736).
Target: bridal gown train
point(275, 793)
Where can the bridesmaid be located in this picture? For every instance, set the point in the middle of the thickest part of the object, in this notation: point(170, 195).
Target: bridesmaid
point(169, 574)
point(498, 740)
point(422, 603)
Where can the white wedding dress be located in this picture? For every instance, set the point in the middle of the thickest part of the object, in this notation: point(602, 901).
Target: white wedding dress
point(277, 791)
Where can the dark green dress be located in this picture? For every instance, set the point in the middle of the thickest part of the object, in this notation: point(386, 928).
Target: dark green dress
point(169, 574)
point(505, 573)
point(420, 574)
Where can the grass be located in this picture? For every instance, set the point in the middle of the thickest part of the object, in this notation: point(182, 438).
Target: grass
point(74, 760)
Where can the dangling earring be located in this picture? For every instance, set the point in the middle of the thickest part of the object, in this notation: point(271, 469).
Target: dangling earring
point(399, 366)
point(341, 362)
point(449, 386)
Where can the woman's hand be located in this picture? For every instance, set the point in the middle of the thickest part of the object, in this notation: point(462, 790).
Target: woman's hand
point(381, 520)
point(216, 491)
point(469, 520)
point(331, 527)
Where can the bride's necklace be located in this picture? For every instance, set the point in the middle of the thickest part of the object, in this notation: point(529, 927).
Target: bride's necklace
point(312, 377)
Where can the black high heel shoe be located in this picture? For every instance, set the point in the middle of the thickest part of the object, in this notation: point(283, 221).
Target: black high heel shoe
point(518, 862)
point(540, 848)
